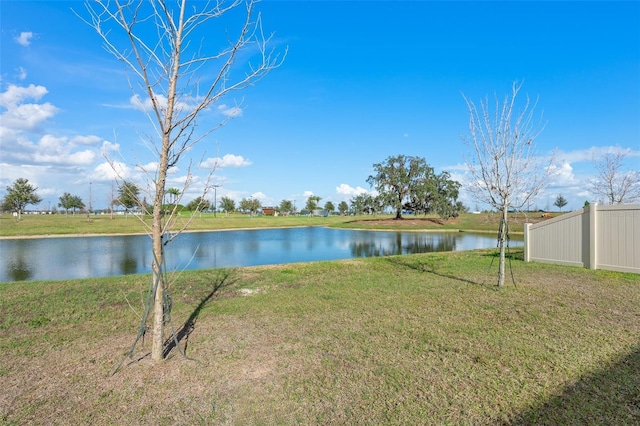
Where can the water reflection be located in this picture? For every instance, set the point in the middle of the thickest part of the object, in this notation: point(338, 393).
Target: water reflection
point(18, 268)
point(402, 243)
point(83, 257)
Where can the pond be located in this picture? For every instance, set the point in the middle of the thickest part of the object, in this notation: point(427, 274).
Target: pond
point(85, 257)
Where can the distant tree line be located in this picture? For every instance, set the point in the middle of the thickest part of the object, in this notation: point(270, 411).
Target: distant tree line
point(403, 183)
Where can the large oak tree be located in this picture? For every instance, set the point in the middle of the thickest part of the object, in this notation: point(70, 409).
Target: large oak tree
point(407, 182)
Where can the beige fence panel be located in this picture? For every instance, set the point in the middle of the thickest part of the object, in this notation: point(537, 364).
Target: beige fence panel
point(596, 237)
point(618, 238)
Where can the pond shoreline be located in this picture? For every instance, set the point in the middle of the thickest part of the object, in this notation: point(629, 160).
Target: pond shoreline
point(123, 234)
point(81, 256)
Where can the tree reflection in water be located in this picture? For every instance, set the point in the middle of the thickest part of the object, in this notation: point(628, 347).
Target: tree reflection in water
point(402, 243)
point(85, 257)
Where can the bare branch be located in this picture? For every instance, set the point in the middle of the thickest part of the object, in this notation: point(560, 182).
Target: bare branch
point(614, 184)
point(180, 83)
point(505, 171)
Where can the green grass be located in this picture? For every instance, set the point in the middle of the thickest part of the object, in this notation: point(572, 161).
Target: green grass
point(38, 225)
point(59, 224)
point(419, 339)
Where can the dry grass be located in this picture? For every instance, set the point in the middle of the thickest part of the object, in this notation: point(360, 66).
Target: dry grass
point(421, 339)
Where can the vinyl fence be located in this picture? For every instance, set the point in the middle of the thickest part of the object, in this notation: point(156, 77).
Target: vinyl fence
point(595, 237)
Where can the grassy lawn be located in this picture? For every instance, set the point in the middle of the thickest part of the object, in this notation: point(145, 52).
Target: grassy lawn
point(36, 225)
point(420, 339)
point(59, 224)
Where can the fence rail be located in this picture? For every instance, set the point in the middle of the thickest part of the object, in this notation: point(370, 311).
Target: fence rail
point(595, 237)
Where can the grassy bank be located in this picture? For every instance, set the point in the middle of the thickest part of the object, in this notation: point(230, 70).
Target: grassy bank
point(57, 225)
point(420, 339)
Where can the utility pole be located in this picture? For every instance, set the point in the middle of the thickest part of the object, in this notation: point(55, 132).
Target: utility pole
point(215, 200)
point(90, 205)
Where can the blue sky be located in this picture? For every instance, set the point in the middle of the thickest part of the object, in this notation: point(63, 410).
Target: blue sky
point(362, 81)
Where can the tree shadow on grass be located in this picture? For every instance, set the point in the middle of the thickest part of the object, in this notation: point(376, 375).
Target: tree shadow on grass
point(610, 396)
point(224, 279)
point(429, 268)
point(510, 254)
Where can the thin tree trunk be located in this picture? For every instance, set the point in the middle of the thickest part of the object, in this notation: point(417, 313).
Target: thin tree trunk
point(503, 239)
point(158, 255)
point(157, 348)
point(158, 280)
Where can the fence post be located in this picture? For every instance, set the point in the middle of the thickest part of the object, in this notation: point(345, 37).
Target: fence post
point(593, 239)
point(527, 235)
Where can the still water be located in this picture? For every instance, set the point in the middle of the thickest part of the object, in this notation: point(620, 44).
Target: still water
point(84, 257)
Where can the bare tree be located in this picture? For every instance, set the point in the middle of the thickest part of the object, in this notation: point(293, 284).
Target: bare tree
point(612, 182)
point(505, 171)
point(176, 76)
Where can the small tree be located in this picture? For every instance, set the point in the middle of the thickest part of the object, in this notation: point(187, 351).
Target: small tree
point(328, 206)
point(20, 194)
point(181, 65)
point(198, 204)
point(560, 202)
point(128, 195)
point(286, 206)
point(312, 203)
point(68, 201)
point(254, 206)
point(227, 205)
point(613, 183)
point(250, 205)
point(363, 204)
point(343, 208)
point(504, 171)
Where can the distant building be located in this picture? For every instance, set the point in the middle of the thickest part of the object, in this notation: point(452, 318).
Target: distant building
point(269, 211)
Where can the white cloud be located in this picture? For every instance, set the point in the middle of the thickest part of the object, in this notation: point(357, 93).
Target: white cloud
point(51, 145)
point(228, 160)
point(146, 105)
point(234, 195)
point(111, 171)
point(151, 167)
point(77, 158)
point(562, 175)
point(259, 196)
point(17, 94)
point(231, 112)
point(22, 73)
point(28, 117)
point(307, 194)
point(138, 104)
point(110, 147)
point(24, 39)
point(21, 116)
point(348, 190)
point(58, 150)
point(89, 140)
point(595, 152)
